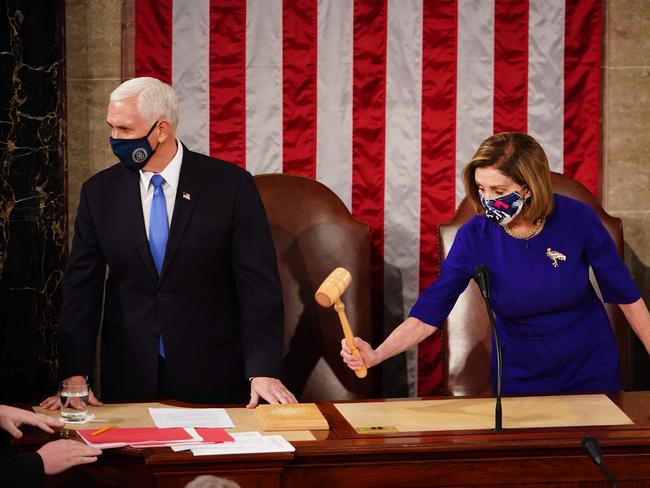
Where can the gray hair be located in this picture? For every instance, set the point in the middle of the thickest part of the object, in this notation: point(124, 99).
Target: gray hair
point(209, 481)
point(156, 99)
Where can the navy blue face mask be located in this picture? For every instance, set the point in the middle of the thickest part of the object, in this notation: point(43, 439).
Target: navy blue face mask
point(133, 153)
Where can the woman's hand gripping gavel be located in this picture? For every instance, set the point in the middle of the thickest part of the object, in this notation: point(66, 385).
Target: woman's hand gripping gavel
point(328, 293)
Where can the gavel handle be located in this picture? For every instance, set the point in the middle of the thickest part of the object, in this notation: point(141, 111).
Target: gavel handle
point(340, 308)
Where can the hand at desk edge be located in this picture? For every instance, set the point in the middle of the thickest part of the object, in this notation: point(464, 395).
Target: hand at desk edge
point(270, 389)
point(11, 418)
point(54, 402)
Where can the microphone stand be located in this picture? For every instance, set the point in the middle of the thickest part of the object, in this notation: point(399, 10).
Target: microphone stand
point(498, 414)
point(482, 276)
point(591, 446)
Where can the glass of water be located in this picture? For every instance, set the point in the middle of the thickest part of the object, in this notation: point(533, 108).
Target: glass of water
point(74, 400)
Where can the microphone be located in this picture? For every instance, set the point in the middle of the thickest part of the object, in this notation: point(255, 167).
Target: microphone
point(591, 446)
point(482, 278)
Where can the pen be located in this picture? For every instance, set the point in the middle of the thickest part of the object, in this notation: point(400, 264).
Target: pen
point(101, 431)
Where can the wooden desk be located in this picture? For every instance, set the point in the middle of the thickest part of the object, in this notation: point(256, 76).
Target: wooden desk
point(342, 457)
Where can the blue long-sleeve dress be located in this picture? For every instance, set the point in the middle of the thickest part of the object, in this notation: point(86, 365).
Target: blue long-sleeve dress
point(554, 332)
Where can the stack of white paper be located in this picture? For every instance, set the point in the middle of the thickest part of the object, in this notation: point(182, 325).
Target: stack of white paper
point(191, 417)
point(245, 443)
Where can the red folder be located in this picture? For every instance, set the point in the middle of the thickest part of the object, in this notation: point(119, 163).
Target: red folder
point(152, 436)
point(214, 435)
point(136, 435)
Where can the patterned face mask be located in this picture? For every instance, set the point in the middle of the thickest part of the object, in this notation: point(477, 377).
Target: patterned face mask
point(503, 209)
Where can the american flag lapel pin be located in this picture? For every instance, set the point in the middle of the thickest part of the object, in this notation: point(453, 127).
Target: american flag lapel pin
point(186, 196)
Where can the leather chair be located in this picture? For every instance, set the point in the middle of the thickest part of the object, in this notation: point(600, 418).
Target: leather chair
point(466, 343)
point(314, 233)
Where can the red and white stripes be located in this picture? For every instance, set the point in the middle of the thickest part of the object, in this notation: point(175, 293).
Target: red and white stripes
point(402, 188)
point(384, 101)
point(263, 86)
point(546, 79)
point(334, 95)
point(438, 159)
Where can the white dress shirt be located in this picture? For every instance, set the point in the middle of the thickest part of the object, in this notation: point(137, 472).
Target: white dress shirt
point(171, 173)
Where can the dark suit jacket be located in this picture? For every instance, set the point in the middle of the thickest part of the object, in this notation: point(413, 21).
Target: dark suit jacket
point(22, 470)
point(19, 470)
point(217, 303)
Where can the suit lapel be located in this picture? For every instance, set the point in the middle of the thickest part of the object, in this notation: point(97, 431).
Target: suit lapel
point(132, 203)
point(186, 197)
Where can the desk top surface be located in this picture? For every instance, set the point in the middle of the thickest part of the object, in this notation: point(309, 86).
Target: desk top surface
point(344, 440)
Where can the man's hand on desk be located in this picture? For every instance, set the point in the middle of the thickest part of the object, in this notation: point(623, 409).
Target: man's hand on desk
point(11, 418)
point(54, 402)
point(270, 389)
point(60, 455)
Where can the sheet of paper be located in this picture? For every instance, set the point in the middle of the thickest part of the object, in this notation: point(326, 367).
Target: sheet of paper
point(246, 443)
point(191, 417)
point(234, 435)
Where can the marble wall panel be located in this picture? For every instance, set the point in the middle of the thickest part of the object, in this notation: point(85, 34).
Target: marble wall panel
point(92, 39)
point(88, 147)
point(32, 188)
point(628, 25)
point(626, 144)
point(93, 58)
point(94, 46)
point(627, 166)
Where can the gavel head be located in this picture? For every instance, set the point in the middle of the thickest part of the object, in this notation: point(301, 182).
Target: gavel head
point(333, 287)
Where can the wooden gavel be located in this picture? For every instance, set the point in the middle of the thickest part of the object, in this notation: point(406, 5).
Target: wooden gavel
point(328, 293)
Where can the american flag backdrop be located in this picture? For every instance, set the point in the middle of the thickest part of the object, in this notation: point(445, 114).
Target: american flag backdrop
point(383, 101)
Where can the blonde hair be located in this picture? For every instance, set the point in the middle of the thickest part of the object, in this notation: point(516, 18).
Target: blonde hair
point(520, 157)
point(156, 99)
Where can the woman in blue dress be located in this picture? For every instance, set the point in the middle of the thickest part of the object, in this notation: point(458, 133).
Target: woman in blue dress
point(554, 332)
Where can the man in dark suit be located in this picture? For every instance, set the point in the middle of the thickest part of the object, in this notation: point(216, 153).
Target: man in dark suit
point(192, 301)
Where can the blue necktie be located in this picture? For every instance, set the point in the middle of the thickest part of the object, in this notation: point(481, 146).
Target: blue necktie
point(158, 230)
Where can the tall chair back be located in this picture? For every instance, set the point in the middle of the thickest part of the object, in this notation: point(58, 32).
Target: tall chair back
point(314, 233)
